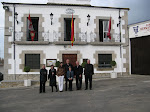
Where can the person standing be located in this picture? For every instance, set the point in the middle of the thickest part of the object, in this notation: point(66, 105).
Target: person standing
point(60, 73)
point(67, 65)
point(88, 72)
point(70, 75)
point(78, 74)
point(43, 79)
point(52, 77)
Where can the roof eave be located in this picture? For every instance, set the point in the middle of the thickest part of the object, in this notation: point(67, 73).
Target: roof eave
point(57, 4)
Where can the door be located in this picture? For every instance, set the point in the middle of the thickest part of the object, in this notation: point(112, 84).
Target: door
point(140, 55)
point(71, 57)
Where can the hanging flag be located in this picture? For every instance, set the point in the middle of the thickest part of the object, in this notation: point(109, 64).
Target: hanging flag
point(72, 31)
point(109, 30)
point(31, 29)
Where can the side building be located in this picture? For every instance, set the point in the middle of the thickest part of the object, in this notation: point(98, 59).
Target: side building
point(139, 34)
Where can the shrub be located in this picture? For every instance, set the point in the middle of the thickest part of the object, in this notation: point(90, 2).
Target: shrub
point(26, 69)
point(113, 63)
point(83, 64)
point(57, 64)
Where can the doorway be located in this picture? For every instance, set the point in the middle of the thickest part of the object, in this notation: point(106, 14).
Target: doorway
point(71, 57)
point(140, 55)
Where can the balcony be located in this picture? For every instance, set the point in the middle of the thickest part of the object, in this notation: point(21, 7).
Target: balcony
point(114, 41)
point(79, 38)
point(59, 38)
point(23, 38)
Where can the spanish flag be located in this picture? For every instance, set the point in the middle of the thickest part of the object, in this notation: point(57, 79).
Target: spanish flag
point(72, 31)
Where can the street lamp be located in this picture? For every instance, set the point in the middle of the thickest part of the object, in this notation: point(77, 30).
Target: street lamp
point(51, 17)
point(6, 8)
point(88, 17)
point(119, 21)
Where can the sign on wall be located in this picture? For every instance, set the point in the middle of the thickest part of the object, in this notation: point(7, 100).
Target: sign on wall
point(50, 62)
point(139, 30)
point(70, 11)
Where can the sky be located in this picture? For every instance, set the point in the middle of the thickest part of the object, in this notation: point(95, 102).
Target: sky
point(139, 11)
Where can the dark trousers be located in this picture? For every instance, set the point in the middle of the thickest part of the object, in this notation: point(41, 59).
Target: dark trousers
point(70, 85)
point(42, 87)
point(88, 78)
point(55, 87)
point(78, 82)
point(66, 83)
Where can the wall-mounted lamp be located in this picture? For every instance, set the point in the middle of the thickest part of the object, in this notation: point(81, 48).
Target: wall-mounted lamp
point(16, 14)
point(88, 17)
point(119, 21)
point(51, 17)
point(6, 8)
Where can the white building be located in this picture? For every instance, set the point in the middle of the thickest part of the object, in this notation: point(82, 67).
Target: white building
point(139, 34)
point(53, 34)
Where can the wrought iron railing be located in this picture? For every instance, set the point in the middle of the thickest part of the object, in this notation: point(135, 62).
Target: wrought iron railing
point(62, 37)
point(95, 37)
point(25, 36)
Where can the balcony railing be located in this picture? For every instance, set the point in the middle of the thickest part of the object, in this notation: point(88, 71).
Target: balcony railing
point(61, 37)
point(95, 37)
point(25, 36)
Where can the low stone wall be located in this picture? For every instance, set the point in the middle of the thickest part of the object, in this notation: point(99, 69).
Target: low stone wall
point(19, 82)
point(21, 76)
point(29, 76)
point(10, 84)
point(37, 76)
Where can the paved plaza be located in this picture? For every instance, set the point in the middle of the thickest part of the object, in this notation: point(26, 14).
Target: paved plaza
point(128, 94)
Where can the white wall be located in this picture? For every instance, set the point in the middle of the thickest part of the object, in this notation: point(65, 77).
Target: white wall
point(51, 52)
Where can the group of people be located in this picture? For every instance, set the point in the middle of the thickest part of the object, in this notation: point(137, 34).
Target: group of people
point(68, 72)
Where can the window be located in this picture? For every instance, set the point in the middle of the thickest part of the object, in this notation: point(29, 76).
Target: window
point(32, 60)
point(103, 30)
point(35, 21)
point(104, 60)
point(67, 29)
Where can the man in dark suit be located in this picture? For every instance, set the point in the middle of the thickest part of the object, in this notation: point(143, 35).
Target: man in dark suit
point(88, 72)
point(43, 79)
point(78, 74)
point(67, 65)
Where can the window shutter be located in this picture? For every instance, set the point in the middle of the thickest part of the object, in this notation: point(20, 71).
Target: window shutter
point(101, 30)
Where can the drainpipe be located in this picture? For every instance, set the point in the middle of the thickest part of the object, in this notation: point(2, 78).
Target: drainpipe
point(120, 42)
point(14, 45)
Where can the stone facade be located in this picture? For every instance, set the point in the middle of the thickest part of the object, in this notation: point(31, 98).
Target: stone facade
point(7, 43)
